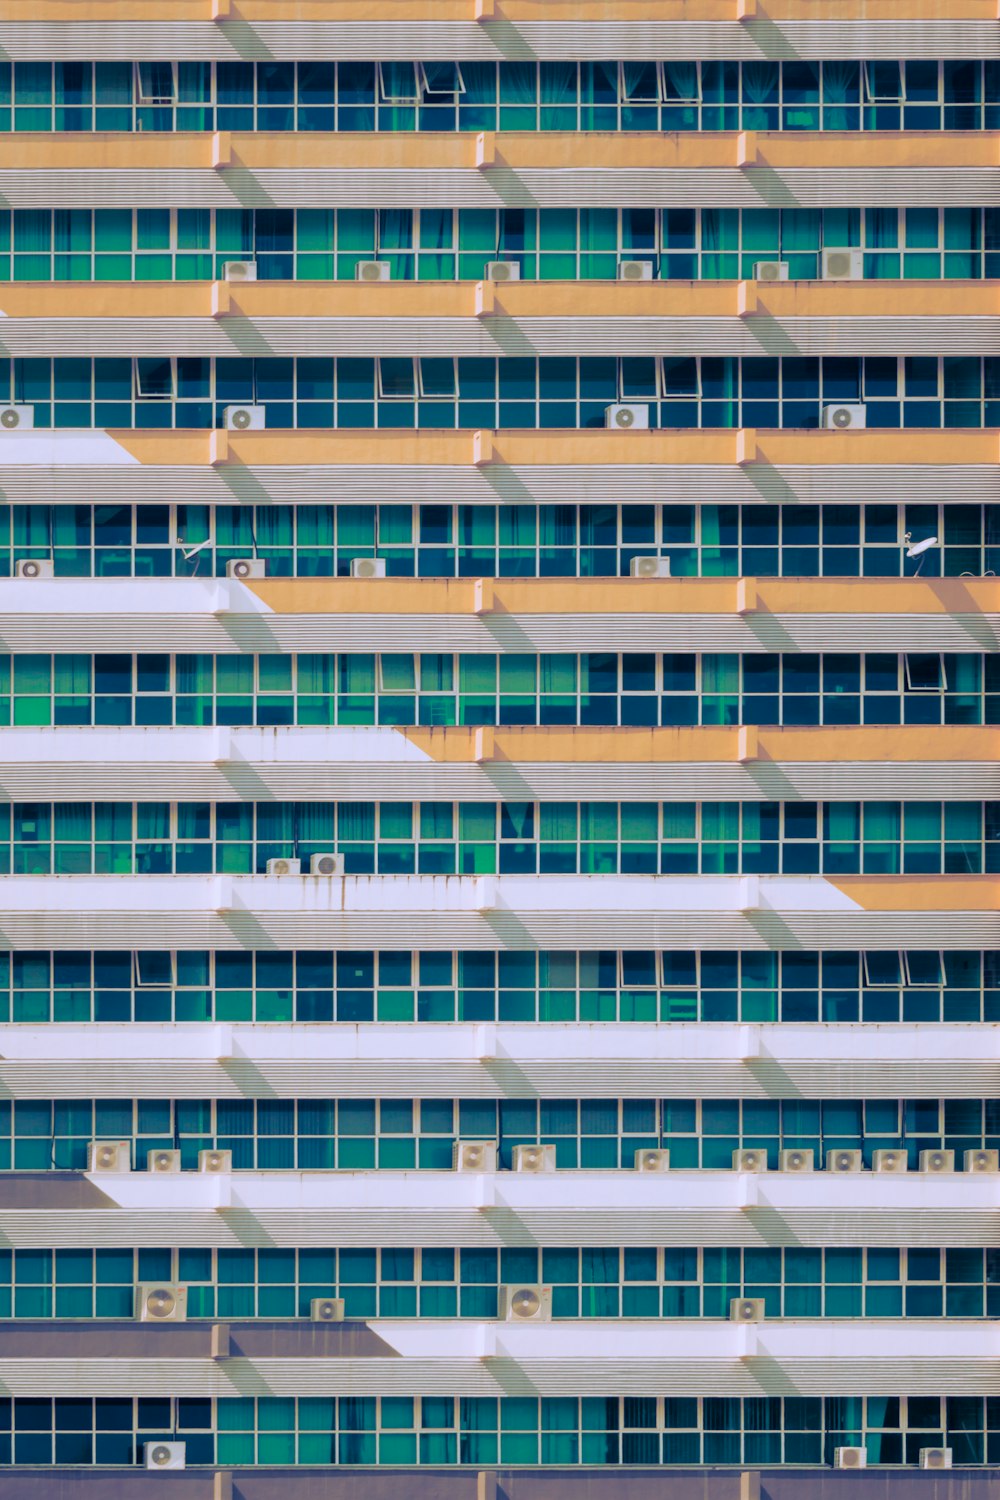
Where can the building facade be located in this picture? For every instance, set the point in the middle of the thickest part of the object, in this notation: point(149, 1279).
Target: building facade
point(500, 837)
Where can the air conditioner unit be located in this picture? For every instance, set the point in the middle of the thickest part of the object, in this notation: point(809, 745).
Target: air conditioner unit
point(161, 1302)
point(109, 1156)
point(770, 270)
point(163, 1161)
point(746, 1310)
point(650, 567)
point(326, 1310)
point(503, 270)
point(889, 1160)
point(935, 1458)
point(17, 418)
point(246, 567)
point(937, 1161)
point(850, 1458)
point(239, 270)
point(624, 418)
point(164, 1455)
point(842, 418)
point(534, 1158)
point(526, 1304)
point(754, 1160)
point(474, 1156)
point(982, 1161)
point(373, 270)
point(34, 567)
point(843, 265)
point(215, 1161)
point(244, 418)
point(367, 567)
point(635, 270)
point(794, 1159)
point(845, 1161)
point(652, 1159)
point(284, 867)
point(326, 864)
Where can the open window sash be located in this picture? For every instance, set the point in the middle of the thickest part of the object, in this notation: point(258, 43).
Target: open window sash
point(681, 82)
point(154, 971)
point(156, 82)
point(154, 379)
point(436, 379)
point(397, 83)
point(883, 83)
point(397, 379)
point(639, 378)
point(440, 81)
point(640, 83)
point(926, 672)
point(681, 377)
point(923, 970)
point(396, 672)
point(883, 971)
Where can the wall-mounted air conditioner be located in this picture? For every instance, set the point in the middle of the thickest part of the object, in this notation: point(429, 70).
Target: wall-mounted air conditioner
point(649, 567)
point(161, 1302)
point(246, 567)
point(526, 1304)
point(624, 417)
point(474, 1156)
point(752, 1159)
point(652, 1159)
point(534, 1158)
point(244, 418)
point(109, 1156)
point(841, 417)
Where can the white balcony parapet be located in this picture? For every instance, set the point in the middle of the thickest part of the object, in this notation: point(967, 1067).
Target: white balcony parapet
point(514, 911)
point(228, 616)
point(704, 1357)
point(288, 762)
point(505, 1060)
point(620, 1207)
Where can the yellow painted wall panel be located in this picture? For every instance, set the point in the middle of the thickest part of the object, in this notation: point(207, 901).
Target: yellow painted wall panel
point(567, 447)
point(583, 596)
point(274, 152)
point(548, 11)
point(922, 892)
point(525, 299)
point(706, 744)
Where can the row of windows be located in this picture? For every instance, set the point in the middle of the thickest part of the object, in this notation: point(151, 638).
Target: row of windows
point(428, 391)
point(442, 244)
point(407, 1134)
point(445, 1283)
point(508, 838)
point(471, 541)
point(445, 1430)
point(398, 96)
point(401, 688)
point(636, 986)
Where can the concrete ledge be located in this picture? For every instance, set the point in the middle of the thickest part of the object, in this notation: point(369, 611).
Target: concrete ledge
point(505, 1484)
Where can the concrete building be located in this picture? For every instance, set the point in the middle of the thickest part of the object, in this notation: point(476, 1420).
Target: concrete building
point(499, 859)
